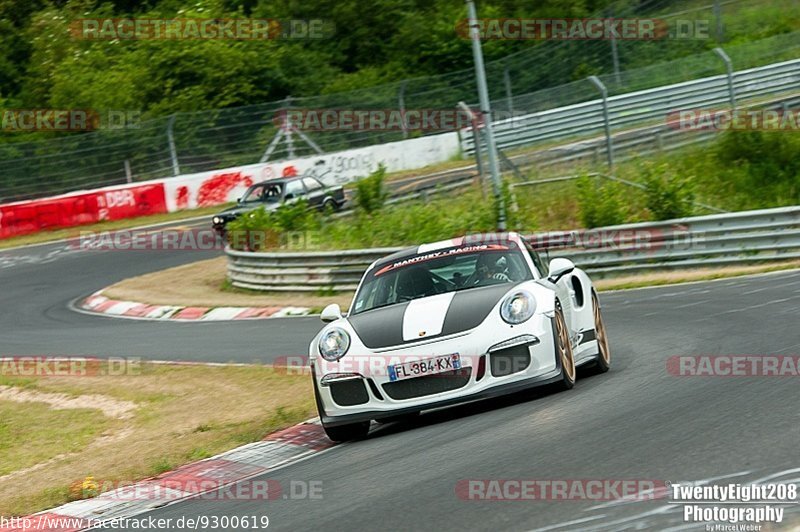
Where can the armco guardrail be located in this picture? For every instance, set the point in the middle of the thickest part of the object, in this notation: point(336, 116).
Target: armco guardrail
point(301, 272)
point(717, 240)
point(626, 110)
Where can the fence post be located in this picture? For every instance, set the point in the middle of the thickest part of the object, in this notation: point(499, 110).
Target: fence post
point(609, 143)
point(128, 174)
point(718, 19)
point(476, 139)
point(401, 103)
point(615, 55)
point(729, 68)
point(176, 169)
point(486, 114)
point(509, 95)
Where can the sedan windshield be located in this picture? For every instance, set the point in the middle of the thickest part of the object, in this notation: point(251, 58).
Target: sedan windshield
point(269, 193)
point(440, 272)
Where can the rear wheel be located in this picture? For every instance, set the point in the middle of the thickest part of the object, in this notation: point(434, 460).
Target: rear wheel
point(603, 361)
point(352, 431)
point(329, 205)
point(563, 350)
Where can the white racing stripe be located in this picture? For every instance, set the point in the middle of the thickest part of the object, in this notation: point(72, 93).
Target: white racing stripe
point(425, 317)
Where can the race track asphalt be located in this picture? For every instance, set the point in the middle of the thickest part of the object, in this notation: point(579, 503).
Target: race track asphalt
point(39, 283)
point(635, 422)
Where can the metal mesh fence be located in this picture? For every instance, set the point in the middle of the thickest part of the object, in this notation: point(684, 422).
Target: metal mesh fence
point(542, 76)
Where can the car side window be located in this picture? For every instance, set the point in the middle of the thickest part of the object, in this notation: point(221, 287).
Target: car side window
point(294, 189)
point(312, 185)
point(537, 260)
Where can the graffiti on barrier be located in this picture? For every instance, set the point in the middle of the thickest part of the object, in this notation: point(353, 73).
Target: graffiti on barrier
point(217, 188)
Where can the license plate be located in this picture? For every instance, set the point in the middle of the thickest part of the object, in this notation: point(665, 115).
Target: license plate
point(421, 368)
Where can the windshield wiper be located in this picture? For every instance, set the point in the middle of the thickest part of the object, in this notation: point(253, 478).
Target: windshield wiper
point(402, 299)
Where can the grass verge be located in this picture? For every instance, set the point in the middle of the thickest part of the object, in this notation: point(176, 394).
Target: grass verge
point(51, 440)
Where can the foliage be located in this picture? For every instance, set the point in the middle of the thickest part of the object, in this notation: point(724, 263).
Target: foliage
point(262, 229)
point(667, 195)
point(403, 223)
point(763, 164)
point(43, 66)
point(600, 203)
point(370, 192)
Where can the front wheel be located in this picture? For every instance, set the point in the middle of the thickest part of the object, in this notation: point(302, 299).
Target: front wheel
point(341, 433)
point(329, 205)
point(563, 350)
point(352, 431)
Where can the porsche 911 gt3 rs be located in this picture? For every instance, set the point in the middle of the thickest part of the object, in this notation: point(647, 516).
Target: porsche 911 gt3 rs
point(450, 322)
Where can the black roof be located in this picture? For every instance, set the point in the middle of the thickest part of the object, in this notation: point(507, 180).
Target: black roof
point(277, 180)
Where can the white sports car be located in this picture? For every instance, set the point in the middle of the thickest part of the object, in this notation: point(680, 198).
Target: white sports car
point(451, 322)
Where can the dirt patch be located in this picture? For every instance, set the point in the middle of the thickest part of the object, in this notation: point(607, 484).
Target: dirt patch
point(109, 406)
point(182, 414)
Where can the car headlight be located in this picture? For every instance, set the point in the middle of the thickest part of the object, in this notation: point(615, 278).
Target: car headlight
point(333, 344)
point(216, 220)
point(518, 307)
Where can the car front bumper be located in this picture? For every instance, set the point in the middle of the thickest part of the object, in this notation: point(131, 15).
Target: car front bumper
point(366, 392)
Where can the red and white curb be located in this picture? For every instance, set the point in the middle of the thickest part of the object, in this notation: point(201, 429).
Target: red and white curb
point(97, 303)
point(210, 475)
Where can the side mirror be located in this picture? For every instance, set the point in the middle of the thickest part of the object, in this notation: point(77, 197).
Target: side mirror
point(331, 313)
point(288, 196)
point(559, 267)
point(238, 200)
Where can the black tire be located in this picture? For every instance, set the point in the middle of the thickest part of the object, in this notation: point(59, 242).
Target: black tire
point(349, 432)
point(603, 361)
point(563, 350)
point(340, 433)
point(329, 205)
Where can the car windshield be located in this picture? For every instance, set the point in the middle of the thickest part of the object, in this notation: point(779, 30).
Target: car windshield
point(439, 272)
point(271, 192)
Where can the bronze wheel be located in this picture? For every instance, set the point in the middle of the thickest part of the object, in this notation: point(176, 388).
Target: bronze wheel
point(603, 351)
point(563, 350)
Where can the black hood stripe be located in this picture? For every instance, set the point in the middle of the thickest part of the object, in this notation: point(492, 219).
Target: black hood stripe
point(383, 327)
point(380, 327)
point(470, 307)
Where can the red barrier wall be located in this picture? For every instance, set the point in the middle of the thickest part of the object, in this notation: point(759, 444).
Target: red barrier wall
point(83, 208)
